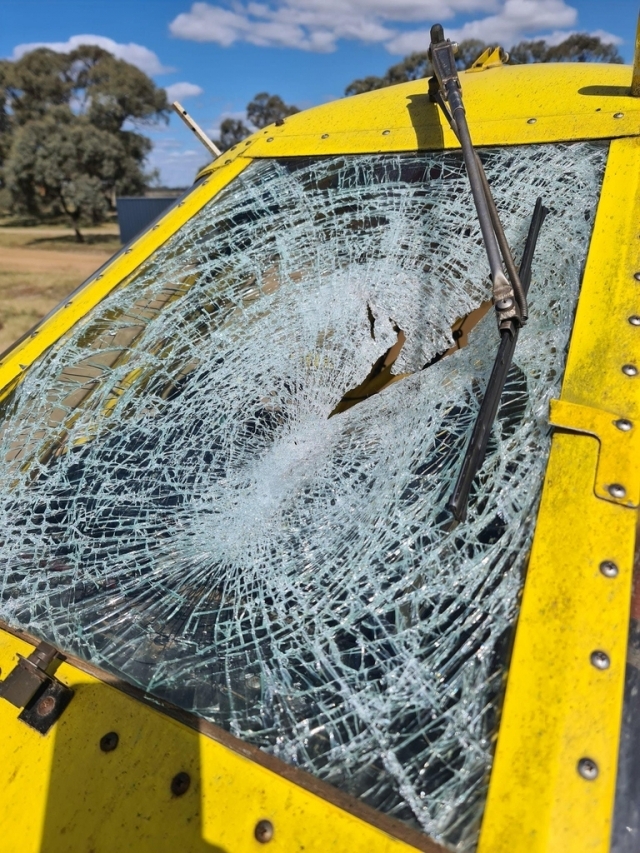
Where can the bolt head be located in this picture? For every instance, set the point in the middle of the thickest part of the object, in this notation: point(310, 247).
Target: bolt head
point(263, 831)
point(617, 491)
point(180, 784)
point(532, 120)
point(634, 320)
point(45, 706)
point(324, 136)
point(609, 569)
point(636, 275)
point(504, 304)
point(386, 132)
point(618, 115)
point(109, 741)
point(623, 424)
point(629, 370)
point(588, 769)
point(600, 660)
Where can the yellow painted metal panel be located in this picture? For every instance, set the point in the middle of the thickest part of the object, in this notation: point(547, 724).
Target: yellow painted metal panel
point(60, 792)
point(99, 286)
point(559, 707)
point(505, 105)
point(618, 473)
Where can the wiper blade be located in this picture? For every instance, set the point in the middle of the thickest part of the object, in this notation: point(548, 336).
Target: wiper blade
point(477, 446)
point(509, 297)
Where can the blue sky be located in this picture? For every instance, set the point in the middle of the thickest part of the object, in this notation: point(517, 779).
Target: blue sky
point(214, 56)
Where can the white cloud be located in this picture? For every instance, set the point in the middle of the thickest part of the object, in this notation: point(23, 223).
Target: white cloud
point(136, 54)
point(558, 36)
point(180, 91)
point(317, 25)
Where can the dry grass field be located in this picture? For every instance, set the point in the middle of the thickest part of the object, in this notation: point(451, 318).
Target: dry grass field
point(39, 266)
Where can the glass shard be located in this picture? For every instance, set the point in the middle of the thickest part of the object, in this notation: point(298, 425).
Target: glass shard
point(178, 507)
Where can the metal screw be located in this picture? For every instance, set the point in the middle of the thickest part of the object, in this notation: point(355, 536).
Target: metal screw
point(618, 115)
point(45, 706)
point(623, 424)
point(180, 784)
point(600, 660)
point(504, 304)
point(386, 132)
point(634, 320)
point(532, 120)
point(609, 569)
point(617, 491)
point(629, 370)
point(263, 831)
point(109, 741)
point(324, 136)
point(588, 769)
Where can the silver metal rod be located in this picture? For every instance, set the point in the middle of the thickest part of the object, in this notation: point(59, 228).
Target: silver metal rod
point(197, 130)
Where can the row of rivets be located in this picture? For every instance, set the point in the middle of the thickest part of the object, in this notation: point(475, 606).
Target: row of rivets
point(587, 767)
point(534, 120)
point(180, 783)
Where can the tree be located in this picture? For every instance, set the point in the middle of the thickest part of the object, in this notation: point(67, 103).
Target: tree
point(267, 109)
point(69, 152)
point(263, 110)
point(415, 67)
point(579, 47)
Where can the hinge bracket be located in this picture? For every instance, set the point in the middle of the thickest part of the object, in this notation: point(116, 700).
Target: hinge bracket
point(31, 686)
point(618, 469)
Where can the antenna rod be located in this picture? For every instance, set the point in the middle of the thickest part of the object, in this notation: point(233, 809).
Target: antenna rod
point(199, 132)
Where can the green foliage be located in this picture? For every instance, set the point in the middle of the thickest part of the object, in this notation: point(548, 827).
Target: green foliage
point(263, 110)
point(579, 47)
point(63, 147)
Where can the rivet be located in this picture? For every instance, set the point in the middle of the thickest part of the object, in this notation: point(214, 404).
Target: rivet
point(324, 136)
point(386, 132)
point(588, 769)
point(636, 275)
point(263, 831)
point(629, 370)
point(504, 304)
point(616, 491)
point(600, 660)
point(67, 304)
point(226, 162)
point(634, 320)
point(100, 276)
point(270, 139)
point(109, 741)
point(609, 569)
point(623, 424)
point(532, 120)
point(180, 784)
point(45, 706)
point(33, 334)
point(128, 251)
point(618, 115)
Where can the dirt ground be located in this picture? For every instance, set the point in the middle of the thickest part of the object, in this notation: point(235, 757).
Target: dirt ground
point(39, 266)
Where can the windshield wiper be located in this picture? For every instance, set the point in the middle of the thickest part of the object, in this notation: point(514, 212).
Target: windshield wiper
point(509, 295)
point(477, 447)
point(509, 298)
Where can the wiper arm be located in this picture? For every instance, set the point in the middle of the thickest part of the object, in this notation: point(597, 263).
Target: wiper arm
point(477, 446)
point(509, 298)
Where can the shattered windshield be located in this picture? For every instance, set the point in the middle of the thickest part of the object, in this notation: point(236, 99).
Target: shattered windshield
point(227, 483)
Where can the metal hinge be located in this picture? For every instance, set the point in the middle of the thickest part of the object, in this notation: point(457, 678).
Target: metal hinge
point(618, 470)
point(31, 686)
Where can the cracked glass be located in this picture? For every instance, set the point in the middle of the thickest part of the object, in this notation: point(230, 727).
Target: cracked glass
point(227, 483)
